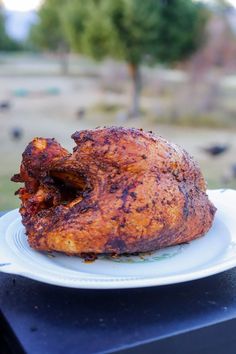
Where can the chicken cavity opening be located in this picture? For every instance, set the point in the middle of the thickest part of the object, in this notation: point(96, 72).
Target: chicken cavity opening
point(58, 188)
point(70, 187)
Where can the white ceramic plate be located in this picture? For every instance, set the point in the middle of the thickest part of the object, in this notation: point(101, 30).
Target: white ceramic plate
point(208, 255)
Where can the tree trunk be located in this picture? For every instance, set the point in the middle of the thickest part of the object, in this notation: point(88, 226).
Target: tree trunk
point(64, 62)
point(63, 54)
point(136, 90)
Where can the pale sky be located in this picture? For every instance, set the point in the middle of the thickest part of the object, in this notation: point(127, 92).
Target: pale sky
point(232, 2)
point(28, 5)
point(21, 5)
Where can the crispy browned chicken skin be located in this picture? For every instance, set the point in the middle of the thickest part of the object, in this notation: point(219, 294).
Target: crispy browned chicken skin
point(120, 191)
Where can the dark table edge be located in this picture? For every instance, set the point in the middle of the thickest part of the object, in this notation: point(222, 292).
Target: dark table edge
point(204, 340)
point(12, 344)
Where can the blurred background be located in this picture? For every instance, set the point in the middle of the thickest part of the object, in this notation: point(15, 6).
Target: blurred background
point(168, 66)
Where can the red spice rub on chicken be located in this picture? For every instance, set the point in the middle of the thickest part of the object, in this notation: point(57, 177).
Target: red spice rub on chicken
point(120, 191)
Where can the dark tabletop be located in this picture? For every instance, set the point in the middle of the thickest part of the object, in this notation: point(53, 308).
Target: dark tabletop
point(193, 317)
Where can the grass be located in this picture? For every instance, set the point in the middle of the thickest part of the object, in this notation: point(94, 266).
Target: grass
point(214, 120)
point(107, 108)
point(111, 109)
point(213, 184)
point(208, 121)
point(7, 198)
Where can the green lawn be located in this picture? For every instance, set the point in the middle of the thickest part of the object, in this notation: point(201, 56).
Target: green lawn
point(214, 184)
point(7, 198)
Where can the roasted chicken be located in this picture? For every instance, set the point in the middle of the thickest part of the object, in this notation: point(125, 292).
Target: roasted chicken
point(120, 191)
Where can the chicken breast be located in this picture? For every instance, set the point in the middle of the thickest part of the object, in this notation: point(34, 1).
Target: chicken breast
point(120, 191)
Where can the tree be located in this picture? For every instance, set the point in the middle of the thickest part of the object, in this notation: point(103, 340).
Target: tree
point(48, 33)
point(136, 31)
